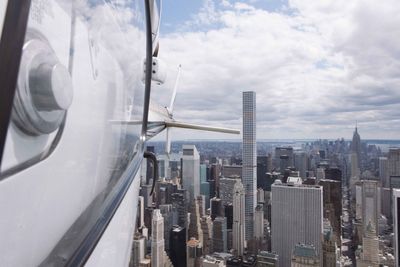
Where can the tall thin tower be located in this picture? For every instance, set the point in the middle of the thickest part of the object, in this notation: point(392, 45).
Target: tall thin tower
point(157, 239)
point(249, 170)
point(238, 218)
point(356, 146)
point(190, 171)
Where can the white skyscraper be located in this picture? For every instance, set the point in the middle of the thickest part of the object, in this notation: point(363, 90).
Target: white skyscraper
point(296, 218)
point(249, 170)
point(138, 247)
point(259, 222)
point(191, 171)
point(141, 211)
point(157, 239)
point(238, 218)
point(370, 204)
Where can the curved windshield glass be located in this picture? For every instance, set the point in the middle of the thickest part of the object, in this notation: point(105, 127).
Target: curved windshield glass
point(75, 131)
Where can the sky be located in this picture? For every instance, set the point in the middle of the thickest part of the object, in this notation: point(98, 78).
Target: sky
point(318, 67)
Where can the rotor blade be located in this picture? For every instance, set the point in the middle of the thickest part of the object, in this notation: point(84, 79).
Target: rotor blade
point(177, 124)
point(168, 143)
point(128, 122)
point(151, 124)
point(171, 104)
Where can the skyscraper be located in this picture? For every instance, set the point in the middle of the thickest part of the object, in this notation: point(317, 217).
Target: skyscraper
point(141, 211)
point(228, 211)
point(301, 162)
point(194, 225)
point(203, 173)
point(259, 222)
point(356, 146)
point(194, 251)
point(220, 235)
point(179, 209)
point(226, 190)
point(206, 230)
point(258, 242)
point(138, 250)
point(396, 224)
point(329, 253)
point(370, 205)
point(166, 212)
point(383, 171)
point(370, 248)
point(177, 246)
point(332, 199)
point(165, 190)
point(157, 240)
point(262, 169)
point(216, 208)
point(296, 218)
point(238, 219)
point(249, 171)
point(284, 157)
point(229, 224)
point(205, 191)
point(204, 185)
point(393, 162)
point(145, 191)
point(191, 171)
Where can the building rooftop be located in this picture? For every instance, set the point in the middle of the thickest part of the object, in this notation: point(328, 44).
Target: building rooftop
point(278, 183)
point(268, 254)
point(210, 259)
point(294, 181)
point(303, 250)
point(177, 228)
point(193, 242)
point(221, 255)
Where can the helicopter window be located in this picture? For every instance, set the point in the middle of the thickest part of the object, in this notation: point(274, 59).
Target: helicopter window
point(70, 142)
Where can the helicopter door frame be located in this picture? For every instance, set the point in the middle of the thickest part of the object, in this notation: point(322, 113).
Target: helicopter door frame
point(11, 43)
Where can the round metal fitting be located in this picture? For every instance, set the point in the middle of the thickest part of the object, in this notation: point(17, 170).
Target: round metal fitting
point(44, 89)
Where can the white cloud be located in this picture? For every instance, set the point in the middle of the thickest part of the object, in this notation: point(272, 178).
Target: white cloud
point(315, 71)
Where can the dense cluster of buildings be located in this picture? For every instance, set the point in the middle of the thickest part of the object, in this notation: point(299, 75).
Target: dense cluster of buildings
point(314, 203)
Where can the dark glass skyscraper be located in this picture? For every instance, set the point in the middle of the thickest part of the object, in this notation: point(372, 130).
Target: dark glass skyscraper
point(178, 246)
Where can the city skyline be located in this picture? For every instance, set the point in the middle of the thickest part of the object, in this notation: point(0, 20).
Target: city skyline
point(339, 190)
